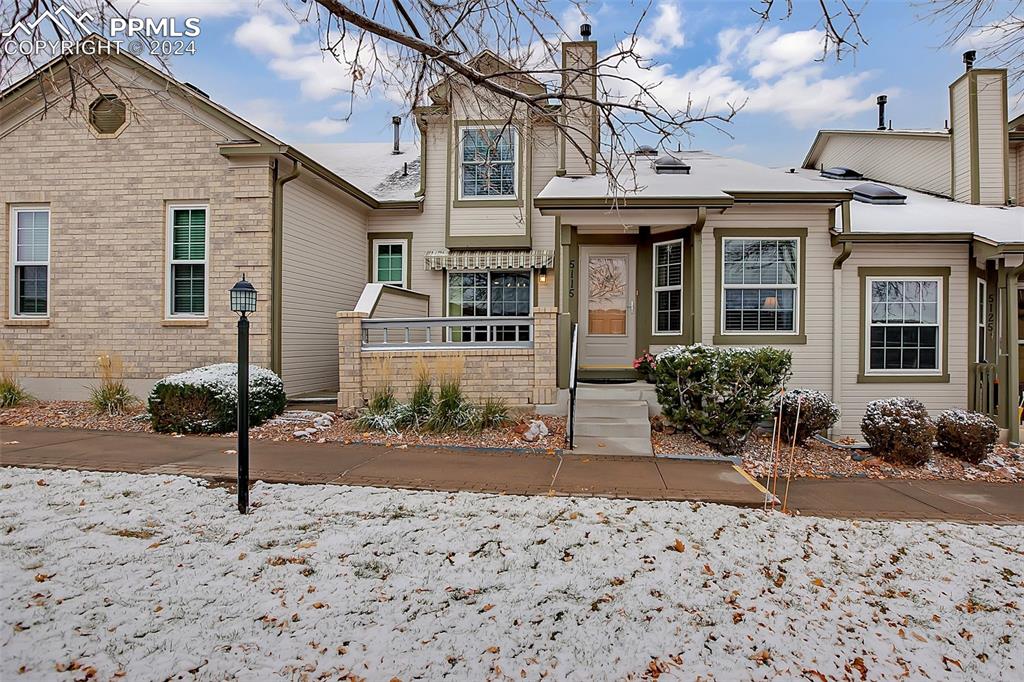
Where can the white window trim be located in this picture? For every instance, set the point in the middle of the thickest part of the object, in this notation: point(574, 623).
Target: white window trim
point(515, 163)
point(981, 312)
point(14, 262)
point(447, 290)
point(795, 287)
point(655, 288)
point(171, 262)
point(938, 338)
point(405, 259)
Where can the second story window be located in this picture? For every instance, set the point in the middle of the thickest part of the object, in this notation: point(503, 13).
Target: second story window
point(487, 162)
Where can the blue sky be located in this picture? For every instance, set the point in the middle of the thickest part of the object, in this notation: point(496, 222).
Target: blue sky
point(259, 62)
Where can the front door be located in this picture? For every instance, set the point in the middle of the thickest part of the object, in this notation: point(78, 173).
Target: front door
point(607, 312)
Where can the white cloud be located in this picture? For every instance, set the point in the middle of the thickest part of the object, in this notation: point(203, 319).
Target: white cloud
point(667, 27)
point(327, 126)
point(775, 53)
point(262, 35)
point(266, 114)
point(185, 8)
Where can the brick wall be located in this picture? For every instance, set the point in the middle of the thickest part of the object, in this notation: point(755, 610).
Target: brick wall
point(520, 376)
point(108, 200)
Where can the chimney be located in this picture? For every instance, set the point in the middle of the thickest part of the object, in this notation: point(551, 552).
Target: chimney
point(979, 136)
point(580, 127)
point(396, 121)
point(882, 99)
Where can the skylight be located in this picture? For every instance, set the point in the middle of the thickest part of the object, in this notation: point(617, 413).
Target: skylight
point(841, 173)
point(870, 193)
point(670, 164)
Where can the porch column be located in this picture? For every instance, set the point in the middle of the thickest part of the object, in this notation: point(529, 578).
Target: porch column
point(1009, 397)
point(565, 284)
point(350, 367)
point(545, 344)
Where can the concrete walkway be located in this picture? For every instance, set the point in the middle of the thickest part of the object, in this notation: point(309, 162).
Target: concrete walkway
point(503, 472)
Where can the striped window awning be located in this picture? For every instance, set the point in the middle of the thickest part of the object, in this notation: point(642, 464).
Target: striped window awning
point(490, 260)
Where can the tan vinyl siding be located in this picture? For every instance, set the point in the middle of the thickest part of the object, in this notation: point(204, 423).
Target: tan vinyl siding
point(1020, 174)
point(920, 163)
point(991, 138)
point(812, 361)
point(935, 396)
point(324, 270)
point(960, 120)
point(393, 304)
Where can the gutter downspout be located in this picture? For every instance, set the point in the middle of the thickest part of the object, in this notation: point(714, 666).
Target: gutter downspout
point(276, 268)
point(698, 255)
point(837, 306)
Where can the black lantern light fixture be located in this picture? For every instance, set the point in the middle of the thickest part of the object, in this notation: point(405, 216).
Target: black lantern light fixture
point(243, 302)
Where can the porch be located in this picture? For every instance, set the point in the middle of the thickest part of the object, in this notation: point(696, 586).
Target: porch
point(511, 358)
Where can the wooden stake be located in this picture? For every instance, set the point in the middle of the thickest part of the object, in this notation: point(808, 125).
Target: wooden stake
point(792, 451)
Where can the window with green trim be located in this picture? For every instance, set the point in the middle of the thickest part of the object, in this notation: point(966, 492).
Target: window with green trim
point(904, 325)
point(389, 257)
point(188, 261)
point(487, 162)
point(760, 282)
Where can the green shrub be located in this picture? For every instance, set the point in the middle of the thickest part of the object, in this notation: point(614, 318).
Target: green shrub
point(493, 414)
point(205, 400)
point(384, 413)
point(817, 413)
point(11, 392)
point(966, 435)
point(422, 401)
point(899, 430)
point(720, 394)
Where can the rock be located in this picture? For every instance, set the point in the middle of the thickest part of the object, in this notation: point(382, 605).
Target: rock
point(536, 431)
point(670, 430)
point(300, 434)
point(520, 428)
point(872, 462)
point(657, 424)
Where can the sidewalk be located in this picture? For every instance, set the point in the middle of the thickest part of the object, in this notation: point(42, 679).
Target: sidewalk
point(503, 472)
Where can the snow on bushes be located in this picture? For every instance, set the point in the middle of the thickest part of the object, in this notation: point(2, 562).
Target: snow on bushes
point(966, 435)
point(899, 430)
point(815, 410)
point(720, 394)
point(205, 399)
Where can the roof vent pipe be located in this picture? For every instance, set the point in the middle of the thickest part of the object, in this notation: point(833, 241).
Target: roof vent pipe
point(396, 121)
point(585, 31)
point(881, 100)
point(969, 58)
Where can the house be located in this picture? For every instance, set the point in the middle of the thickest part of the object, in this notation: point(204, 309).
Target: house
point(896, 271)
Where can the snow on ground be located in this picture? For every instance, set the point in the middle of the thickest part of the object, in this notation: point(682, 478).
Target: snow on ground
point(157, 577)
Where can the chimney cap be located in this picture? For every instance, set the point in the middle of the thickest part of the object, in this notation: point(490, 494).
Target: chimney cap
point(969, 57)
point(397, 120)
point(585, 31)
point(881, 99)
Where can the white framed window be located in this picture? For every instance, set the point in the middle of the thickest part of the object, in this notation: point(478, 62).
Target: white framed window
point(982, 321)
point(904, 318)
point(760, 285)
point(668, 287)
point(389, 260)
point(490, 294)
point(187, 257)
point(30, 261)
point(487, 162)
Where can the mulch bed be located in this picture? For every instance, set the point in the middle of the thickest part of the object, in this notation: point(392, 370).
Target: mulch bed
point(71, 414)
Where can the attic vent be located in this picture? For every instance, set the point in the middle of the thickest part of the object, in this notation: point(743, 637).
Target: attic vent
point(670, 164)
point(107, 114)
point(870, 193)
point(840, 173)
point(646, 150)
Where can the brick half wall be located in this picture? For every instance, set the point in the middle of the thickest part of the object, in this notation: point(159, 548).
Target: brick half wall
point(519, 376)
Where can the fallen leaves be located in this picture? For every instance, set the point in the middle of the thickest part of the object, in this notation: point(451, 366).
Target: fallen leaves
point(678, 546)
point(43, 577)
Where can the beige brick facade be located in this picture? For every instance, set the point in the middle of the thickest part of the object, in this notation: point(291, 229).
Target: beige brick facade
point(519, 376)
point(108, 201)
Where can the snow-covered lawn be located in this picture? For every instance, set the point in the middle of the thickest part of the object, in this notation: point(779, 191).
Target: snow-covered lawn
point(151, 577)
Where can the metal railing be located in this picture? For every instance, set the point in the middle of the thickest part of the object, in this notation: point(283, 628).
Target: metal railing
point(456, 333)
point(985, 384)
point(570, 424)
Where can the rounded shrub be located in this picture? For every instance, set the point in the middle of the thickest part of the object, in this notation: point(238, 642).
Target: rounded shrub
point(899, 430)
point(720, 394)
point(205, 399)
point(814, 409)
point(966, 435)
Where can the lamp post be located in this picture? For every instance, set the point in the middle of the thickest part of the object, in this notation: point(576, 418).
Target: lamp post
point(243, 302)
